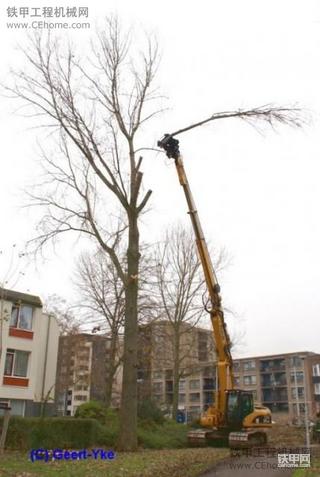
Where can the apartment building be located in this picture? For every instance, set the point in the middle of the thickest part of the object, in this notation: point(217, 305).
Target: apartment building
point(155, 372)
point(29, 347)
point(196, 390)
point(315, 363)
point(82, 372)
point(286, 383)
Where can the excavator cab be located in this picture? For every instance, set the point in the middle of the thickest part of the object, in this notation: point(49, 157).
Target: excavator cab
point(239, 404)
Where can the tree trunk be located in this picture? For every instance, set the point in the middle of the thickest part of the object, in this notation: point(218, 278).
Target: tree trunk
point(112, 368)
point(176, 374)
point(128, 412)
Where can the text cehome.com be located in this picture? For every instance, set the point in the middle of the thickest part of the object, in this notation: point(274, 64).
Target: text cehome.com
point(42, 24)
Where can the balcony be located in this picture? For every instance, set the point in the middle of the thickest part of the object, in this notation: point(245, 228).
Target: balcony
point(277, 406)
point(274, 384)
point(272, 365)
point(194, 397)
point(209, 372)
point(272, 380)
point(271, 395)
point(208, 398)
point(209, 384)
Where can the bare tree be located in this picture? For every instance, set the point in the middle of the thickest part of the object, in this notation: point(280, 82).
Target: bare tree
point(102, 297)
point(97, 106)
point(56, 305)
point(102, 293)
point(181, 290)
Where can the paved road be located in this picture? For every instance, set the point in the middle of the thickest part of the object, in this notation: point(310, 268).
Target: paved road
point(248, 467)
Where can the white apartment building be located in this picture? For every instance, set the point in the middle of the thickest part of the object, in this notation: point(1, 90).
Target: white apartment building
point(29, 347)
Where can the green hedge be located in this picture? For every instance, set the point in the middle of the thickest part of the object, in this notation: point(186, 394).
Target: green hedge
point(49, 433)
point(26, 433)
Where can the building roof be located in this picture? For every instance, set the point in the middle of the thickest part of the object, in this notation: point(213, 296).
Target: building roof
point(279, 355)
point(80, 336)
point(15, 296)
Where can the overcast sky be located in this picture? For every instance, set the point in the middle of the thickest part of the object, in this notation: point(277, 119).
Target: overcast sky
point(257, 193)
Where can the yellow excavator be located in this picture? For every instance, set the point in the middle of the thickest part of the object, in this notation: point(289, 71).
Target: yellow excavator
point(233, 417)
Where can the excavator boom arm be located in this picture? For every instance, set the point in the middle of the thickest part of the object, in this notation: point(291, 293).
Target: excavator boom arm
point(221, 336)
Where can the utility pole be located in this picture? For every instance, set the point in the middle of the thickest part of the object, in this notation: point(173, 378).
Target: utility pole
point(297, 396)
point(306, 410)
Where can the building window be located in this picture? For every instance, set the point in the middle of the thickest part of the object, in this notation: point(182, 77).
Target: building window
point(296, 377)
point(157, 388)
point(17, 407)
point(16, 363)
point(317, 388)
point(295, 362)
point(316, 370)
point(81, 388)
point(254, 394)
point(209, 371)
point(249, 380)
point(236, 366)
point(194, 397)
point(300, 393)
point(80, 398)
point(194, 384)
point(248, 365)
point(182, 385)
point(168, 373)
point(21, 317)
point(157, 374)
point(301, 408)
point(236, 381)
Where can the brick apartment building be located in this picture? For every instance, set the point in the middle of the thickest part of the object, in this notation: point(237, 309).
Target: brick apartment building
point(29, 342)
point(155, 371)
point(286, 383)
point(82, 370)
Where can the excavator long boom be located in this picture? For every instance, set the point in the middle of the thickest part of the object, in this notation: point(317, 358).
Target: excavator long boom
point(220, 333)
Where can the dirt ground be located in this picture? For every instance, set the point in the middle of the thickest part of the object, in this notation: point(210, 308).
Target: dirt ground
point(249, 467)
point(263, 462)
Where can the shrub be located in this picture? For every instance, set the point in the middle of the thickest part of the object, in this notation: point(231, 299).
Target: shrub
point(69, 433)
point(149, 411)
point(92, 410)
point(168, 435)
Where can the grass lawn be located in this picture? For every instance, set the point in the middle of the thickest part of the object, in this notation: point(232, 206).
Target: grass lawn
point(313, 471)
point(146, 463)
